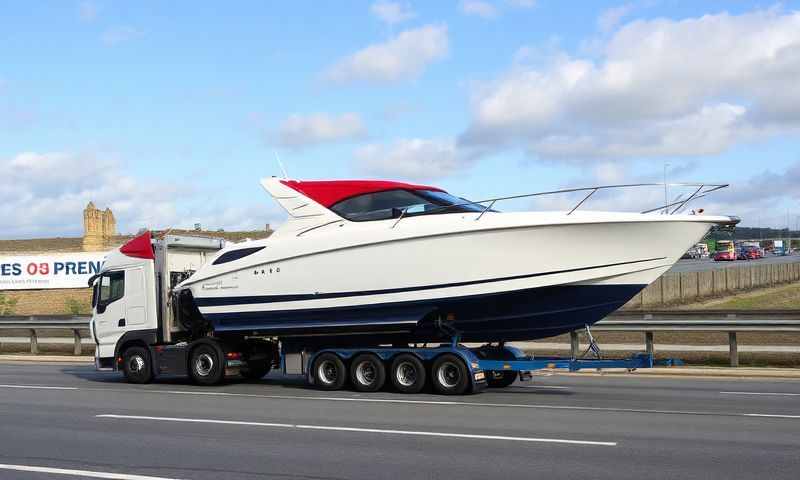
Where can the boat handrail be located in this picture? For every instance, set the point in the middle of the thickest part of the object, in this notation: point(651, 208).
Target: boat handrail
point(701, 191)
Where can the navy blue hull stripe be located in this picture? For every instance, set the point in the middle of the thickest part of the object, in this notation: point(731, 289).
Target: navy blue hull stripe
point(249, 300)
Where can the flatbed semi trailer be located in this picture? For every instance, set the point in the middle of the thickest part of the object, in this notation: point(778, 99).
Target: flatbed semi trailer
point(138, 329)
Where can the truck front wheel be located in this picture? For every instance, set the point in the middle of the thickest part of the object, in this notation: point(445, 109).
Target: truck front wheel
point(206, 366)
point(136, 365)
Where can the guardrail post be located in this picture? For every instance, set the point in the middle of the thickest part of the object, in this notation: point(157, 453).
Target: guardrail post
point(733, 349)
point(573, 343)
point(34, 343)
point(77, 334)
point(648, 343)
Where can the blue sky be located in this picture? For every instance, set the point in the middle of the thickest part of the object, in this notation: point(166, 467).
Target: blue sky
point(170, 112)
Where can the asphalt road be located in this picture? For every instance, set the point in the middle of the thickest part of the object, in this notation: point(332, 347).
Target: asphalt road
point(555, 427)
point(708, 264)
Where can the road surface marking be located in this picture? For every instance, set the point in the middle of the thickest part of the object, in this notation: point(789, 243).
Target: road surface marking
point(475, 404)
point(774, 394)
point(362, 430)
point(79, 473)
point(768, 415)
point(39, 387)
point(543, 387)
point(420, 402)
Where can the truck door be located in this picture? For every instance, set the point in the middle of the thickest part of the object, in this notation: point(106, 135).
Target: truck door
point(109, 311)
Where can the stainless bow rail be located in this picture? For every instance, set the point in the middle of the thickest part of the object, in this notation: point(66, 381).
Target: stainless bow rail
point(680, 203)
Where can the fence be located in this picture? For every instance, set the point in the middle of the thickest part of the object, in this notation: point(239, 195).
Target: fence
point(684, 287)
point(621, 321)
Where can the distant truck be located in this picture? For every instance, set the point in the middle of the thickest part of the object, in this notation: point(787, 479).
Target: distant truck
point(778, 248)
point(726, 251)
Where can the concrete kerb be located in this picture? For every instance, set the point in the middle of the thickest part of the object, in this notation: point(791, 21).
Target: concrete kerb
point(47, 358)
point(709, 372)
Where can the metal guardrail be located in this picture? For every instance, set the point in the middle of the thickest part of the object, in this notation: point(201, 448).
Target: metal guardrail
point(620, 321)
point(33, 324)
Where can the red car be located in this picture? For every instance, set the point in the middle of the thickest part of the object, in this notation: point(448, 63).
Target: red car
point(725, 255)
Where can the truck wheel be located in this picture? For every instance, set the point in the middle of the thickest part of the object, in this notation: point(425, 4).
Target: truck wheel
point(205, 365)
point(367, 373)
point(408, 373)
point(136, 365)
point(449, 375)
point(256, 370)
point(328, 372)
point(495, 379)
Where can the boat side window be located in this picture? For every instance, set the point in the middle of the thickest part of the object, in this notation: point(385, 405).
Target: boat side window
point(236, 254)
point(111, 289)
point(392, 203)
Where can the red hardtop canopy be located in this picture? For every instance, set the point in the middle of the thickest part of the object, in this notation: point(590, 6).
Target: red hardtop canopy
point(139, 247)
point(330, 192)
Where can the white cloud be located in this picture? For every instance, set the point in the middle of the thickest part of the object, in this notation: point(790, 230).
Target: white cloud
point(478, 8)
point(523, 3)
point(661, 87)
point(318, 128)
point(45, 193)
point(392, 12)
point(116, 35)
point(412, 159)
point(611, 17)
point(402, 57)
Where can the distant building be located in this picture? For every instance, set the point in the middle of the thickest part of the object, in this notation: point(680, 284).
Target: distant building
point(99, 228)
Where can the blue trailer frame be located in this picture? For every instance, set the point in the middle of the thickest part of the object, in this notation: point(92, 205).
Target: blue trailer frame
point(478, 368)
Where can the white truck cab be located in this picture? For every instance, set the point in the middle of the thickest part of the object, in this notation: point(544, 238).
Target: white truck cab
point(131, 298)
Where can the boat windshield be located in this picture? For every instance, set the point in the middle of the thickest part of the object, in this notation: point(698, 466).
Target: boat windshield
point(392, 203)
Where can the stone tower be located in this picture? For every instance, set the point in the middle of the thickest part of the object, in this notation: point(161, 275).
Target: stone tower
point(99, 226)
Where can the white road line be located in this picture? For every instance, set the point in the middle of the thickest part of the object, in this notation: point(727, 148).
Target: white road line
point(79, 473)
point(543, 387)
point(362, 430)
point(774, 394)
point(768, 415)
point(39, 387)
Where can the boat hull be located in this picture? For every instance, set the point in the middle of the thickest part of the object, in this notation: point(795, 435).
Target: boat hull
point(497, 283)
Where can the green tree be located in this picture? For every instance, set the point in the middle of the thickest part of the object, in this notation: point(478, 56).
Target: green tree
point(7, 305)
point(76, 307)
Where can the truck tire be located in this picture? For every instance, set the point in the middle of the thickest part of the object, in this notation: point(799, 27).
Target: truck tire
point(449, 375)
point(367, 373)
point(206, 364)
point(136, 365)
point(256, 370)
point(329, 372)
point(407, 373)
point(495, 379)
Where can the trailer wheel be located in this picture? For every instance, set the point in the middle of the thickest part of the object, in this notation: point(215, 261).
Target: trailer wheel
point(495, 379)
point(205, 365)
point(136, 365)
point(367, 373)
point(449, 375)
point(408, 373)
point(329, 372)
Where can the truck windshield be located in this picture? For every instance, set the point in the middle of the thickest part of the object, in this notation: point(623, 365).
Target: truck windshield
point(392, 204)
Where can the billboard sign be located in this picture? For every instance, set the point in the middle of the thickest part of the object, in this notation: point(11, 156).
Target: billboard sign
point(33, 272)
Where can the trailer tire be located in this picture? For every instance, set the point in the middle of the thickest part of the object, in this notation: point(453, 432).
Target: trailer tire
point(407, 373)
point(206, 364)
point(329, 372)
point(136, 365)
point(449, 375)
point(495, 379)
point(367, 373)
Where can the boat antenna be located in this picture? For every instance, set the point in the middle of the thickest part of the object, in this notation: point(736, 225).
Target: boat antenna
point(280, 164)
